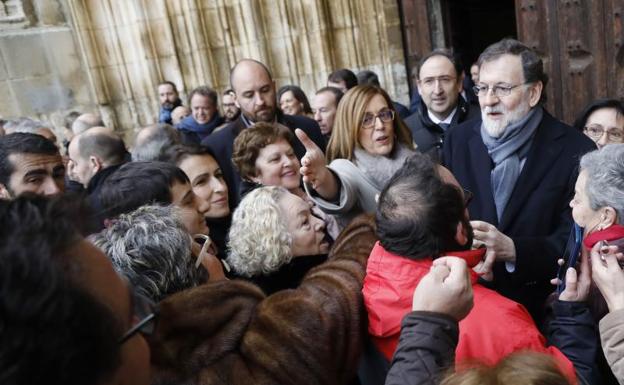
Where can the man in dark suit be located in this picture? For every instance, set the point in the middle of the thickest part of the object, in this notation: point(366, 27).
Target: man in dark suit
point(255, 95)
point(439, 80)
point(521, 164)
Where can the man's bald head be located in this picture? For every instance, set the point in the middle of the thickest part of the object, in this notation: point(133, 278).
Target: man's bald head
point(254, 90)
point(86, 121)
point(95, 149)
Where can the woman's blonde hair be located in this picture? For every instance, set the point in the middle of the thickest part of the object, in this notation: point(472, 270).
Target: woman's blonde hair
point(525, 368)
point(259, 242)
point(348, 122)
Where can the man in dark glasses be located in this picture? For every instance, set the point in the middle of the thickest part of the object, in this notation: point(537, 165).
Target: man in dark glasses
point(66, 317)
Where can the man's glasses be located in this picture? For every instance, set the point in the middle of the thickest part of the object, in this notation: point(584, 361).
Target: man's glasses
point(385, 116)
point(498, 91)
point(147, 313)
point(596, 132)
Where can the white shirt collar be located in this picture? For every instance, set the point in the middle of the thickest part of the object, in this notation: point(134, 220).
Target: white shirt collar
point(447, 120)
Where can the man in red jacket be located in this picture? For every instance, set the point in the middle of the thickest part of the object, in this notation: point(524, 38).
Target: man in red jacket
point(421, 216)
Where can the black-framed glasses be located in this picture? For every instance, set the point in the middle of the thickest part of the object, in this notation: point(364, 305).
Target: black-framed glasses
point(498, 91)
point(147, 313)
point(385, 116)
point(468, 195)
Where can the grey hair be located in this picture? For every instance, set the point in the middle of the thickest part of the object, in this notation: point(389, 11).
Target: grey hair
point(605, 178)
point(532, 64)
point(162, 137)
point(151, 247)
point(258, 240)
point(25, 125)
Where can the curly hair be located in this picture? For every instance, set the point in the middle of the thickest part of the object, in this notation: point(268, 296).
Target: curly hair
point(151, 247)
point(605, 178)
point(250, 142)
point(259, 241)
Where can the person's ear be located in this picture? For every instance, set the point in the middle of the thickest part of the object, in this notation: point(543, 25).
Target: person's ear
point(4, 192)
point(96, 164)
point(460, 82)
point(608, 218)
point(535, 93)
point(460, 234)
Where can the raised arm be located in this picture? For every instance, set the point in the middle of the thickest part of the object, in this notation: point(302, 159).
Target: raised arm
point(314, 169)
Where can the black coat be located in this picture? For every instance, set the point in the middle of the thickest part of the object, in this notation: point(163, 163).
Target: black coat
point(426, 349)
point(428, 136)
point(222, 142)
point(538, 217)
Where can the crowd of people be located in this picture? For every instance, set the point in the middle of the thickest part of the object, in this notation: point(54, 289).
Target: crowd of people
point(340, 238)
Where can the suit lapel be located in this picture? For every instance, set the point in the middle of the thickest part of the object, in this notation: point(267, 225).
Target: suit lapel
point(542, 157)
point(481, 166)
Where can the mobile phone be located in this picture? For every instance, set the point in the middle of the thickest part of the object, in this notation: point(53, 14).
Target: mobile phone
point(570, 255)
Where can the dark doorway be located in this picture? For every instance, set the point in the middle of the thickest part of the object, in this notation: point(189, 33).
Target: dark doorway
point(471, 25)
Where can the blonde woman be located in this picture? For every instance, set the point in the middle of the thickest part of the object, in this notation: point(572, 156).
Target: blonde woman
point(369, 143)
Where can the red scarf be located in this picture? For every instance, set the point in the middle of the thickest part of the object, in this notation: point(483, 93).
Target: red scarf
point(611, 233)
point(472, 257)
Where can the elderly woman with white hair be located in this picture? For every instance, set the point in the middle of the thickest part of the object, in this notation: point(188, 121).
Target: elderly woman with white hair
point(153, 250)
point(275, 239)
point(598, 212)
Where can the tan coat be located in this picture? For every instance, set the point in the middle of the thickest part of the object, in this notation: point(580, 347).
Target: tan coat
point(229, 332)
point(612, 339)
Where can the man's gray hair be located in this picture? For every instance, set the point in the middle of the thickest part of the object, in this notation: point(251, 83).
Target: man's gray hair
point(162, 136)
point(532, 64)
point(25, 125)
point(605, 178)
point(151, 247)
point(259, 242)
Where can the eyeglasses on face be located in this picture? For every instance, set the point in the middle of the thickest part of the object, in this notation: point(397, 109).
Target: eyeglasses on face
point(385, 116)
point(147, 314)
point(498, 90)
point(614, 135)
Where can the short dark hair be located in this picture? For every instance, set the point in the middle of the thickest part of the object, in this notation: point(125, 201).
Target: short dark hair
point(581, 120)
point(21, 143)
point(532, 64)
point(338, 94)
point(167, 82)
point(368, 77)
point(298, 94)
point(417, 213)
point(343, 75)
point(139, 183)
point(204, 91)
point(109, 147)
point(48, 319)
point(250, 142)
point(445, 52)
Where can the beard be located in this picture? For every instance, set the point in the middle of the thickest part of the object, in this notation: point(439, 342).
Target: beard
point(496, 128)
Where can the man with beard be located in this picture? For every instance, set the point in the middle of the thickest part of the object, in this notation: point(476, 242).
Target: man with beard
point(228, 104)
point(521, 163)
point(254, 89)
point(30, 163)
point(169, 99)
point(421, 216)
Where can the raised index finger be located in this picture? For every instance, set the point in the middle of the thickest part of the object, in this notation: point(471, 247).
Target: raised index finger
point(305, 140)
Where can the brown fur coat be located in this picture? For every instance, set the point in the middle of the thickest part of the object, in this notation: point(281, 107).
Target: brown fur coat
point(229, 332)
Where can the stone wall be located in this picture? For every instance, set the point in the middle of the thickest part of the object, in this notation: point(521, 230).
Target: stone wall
point(109, 55)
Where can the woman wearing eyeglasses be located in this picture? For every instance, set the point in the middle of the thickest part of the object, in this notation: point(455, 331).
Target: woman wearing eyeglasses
point(602, 121)
point(368, 144)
